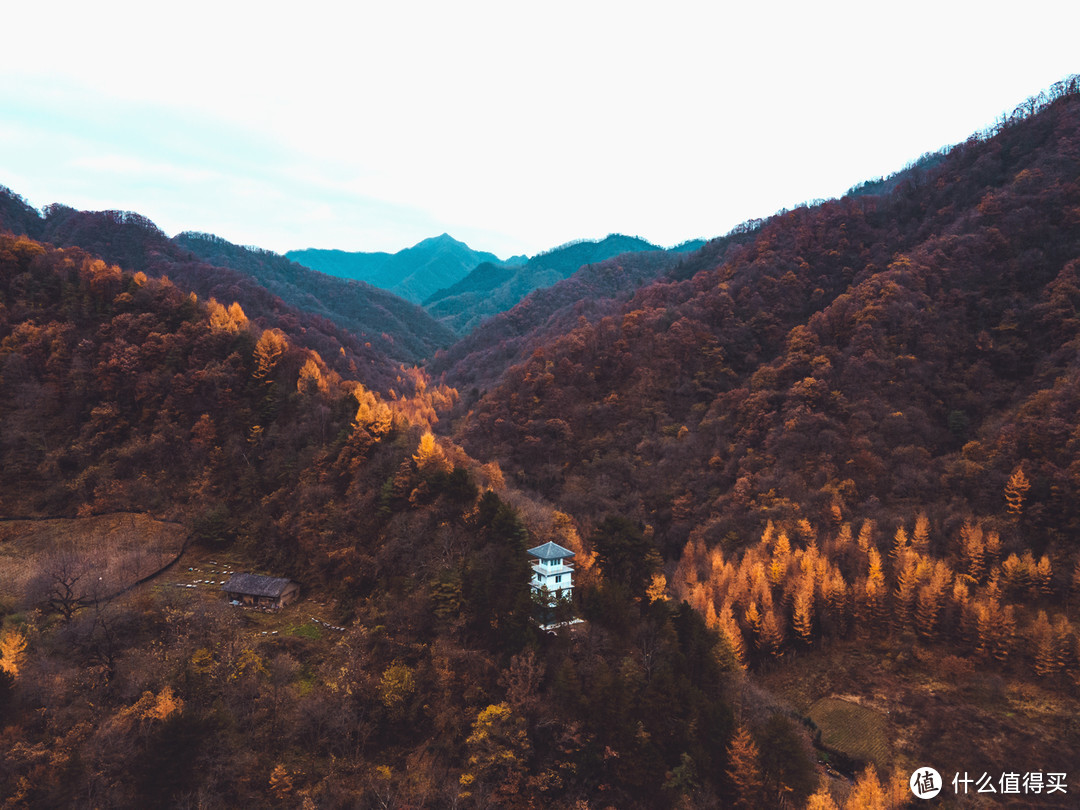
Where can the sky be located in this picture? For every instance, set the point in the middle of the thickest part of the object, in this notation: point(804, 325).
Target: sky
point(513, 127)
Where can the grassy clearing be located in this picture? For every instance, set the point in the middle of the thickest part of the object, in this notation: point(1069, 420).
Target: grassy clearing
point(116, 550)
point(201, 573)
point(953, 714)
point(853, 730)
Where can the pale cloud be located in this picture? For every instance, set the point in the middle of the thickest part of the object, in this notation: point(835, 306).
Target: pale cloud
point(144, 170)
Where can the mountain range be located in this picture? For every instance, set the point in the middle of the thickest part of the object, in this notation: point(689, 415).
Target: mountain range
point(378, 330)
point(490, 289)
point(413, 273)
point(461, 287)
point(818, 477)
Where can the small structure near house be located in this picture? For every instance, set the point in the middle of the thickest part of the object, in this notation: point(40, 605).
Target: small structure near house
point(253, 589)
point(552, 571)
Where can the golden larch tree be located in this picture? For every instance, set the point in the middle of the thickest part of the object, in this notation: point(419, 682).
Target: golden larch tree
point(907, 583)
point(874, 593)
point(986, 626)
point(268, 351)
point(499, 750)
point(836, 514)
point(752, 617)
point(866, 536)
point(744, 770)
point(868, 793)
point(1015, 491)
point(729, 629)
point(992, 546)
point(834, 590)
point(822, 800)
point(372, 414)
point(429, 456)
point(900, 545)
point(311, 379)
point(920, 537)
point(1006, 636)
point(843, 537)
point(931, 601)
point(772, 634)
point(281, 782)
point(12, 650)
point(965, 616)
point(803, 618)
point(1043, 575)
point(222, 319)
point(973, 550)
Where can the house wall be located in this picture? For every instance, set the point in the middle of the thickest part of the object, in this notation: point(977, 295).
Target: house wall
point(564, 583)
point(290, 595)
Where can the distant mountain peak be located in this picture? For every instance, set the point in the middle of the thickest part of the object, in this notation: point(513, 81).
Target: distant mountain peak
point(441, 239)
point(413, 273)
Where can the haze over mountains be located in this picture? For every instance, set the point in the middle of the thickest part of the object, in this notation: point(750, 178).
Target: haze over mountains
point(490, 289)
point(382, 321)
point(459, 286)
point(413, 273)
point(378, 325)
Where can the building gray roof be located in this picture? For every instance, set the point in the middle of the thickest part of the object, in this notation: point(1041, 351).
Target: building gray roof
point(256, 585)
point(550, 551)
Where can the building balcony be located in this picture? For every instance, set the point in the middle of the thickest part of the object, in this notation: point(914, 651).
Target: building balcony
point(551, 570)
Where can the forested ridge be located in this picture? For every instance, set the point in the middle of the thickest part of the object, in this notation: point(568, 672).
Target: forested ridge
point(377, 330)
point(859, 424)
point(831, 455)
point(489, 290)
point(123, 392)
point(414, 273)
point(874, 353)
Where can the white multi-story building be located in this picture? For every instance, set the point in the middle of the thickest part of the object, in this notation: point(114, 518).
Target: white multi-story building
point(552, 570)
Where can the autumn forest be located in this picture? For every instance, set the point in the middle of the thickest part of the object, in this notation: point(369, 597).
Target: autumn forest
point(820, 477)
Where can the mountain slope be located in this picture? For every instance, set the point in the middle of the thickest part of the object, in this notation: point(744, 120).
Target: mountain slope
point(372, 314)
point(865, 353)
point(17, 216)
point(124, 392)
point(506, 338)
point(488, 289)
point(361, 331)
point(413, 273)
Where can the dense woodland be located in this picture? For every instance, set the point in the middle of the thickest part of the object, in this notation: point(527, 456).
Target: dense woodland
point(377, 330)
point(851, 426)
point(881, 354)
point(124, 392)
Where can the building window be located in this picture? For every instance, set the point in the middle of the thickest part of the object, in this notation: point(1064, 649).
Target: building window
point(558, 578)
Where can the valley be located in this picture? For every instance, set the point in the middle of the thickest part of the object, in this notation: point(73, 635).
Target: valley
point(818, 476)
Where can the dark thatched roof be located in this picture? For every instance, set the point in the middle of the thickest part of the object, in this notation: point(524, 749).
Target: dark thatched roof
point(256, 585)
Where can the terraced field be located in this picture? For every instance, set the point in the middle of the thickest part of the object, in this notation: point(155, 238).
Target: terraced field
point(856, 731)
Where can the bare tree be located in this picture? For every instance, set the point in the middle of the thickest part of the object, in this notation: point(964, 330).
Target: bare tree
point(63, 583)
